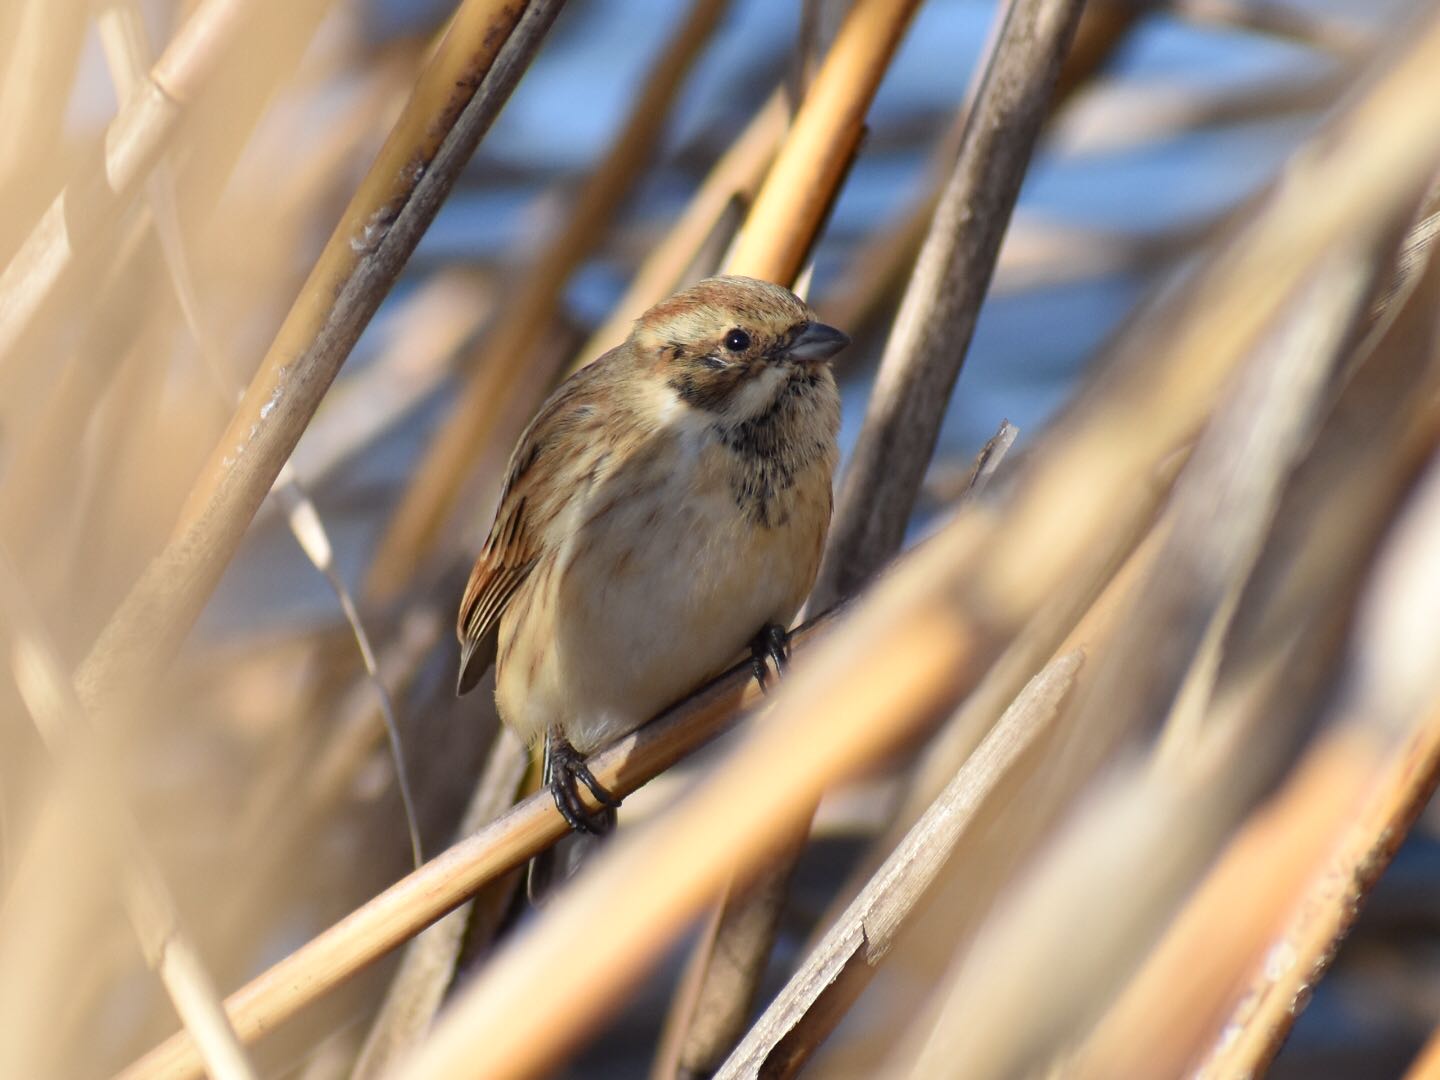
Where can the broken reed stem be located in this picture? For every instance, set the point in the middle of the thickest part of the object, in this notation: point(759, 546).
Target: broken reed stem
point(529, 312)
point(458, 94)
point(801, 185)
point(933, 625)
point(1327, 908)
point(932, 331)
point(455, 875)
point(839, 967)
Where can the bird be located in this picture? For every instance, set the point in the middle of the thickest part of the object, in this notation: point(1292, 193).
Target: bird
point(665, 509)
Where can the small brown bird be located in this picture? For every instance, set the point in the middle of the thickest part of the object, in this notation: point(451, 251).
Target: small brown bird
point(667, 506)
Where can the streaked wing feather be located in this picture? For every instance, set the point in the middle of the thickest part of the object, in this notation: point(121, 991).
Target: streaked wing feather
point(515, 542)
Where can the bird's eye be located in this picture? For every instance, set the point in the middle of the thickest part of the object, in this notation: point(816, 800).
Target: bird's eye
point(737, 340)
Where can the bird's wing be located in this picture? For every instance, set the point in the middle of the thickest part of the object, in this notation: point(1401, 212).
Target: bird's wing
point(517, 538)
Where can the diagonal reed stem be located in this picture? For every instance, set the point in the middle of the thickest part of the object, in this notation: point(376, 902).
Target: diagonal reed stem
point(460, 91)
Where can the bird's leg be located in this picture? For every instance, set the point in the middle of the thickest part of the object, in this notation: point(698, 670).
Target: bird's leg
point(565, 770)
point(771, 644)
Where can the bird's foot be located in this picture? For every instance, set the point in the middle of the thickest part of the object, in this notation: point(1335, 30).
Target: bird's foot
point(771, 645)
point(565, 771)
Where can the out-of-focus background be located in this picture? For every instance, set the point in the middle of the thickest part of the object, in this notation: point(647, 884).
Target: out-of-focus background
point(259, 774)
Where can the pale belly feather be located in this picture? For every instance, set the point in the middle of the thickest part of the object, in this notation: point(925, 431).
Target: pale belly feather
point(662, 591)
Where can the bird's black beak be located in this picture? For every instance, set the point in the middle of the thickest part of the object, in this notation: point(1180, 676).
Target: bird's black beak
point(817, 342)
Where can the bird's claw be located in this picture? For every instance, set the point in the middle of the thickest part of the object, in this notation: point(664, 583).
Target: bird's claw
point(770, 646)
point(566, 771)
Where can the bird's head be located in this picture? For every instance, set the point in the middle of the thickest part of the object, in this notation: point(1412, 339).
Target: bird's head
point(732, 345)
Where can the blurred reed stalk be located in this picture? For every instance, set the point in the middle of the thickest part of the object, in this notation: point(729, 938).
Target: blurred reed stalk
point(45, 688)
point(1252, 464)
point(462, 87)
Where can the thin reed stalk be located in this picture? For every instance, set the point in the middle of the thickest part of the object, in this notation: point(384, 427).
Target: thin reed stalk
point(529, 313)
point(463, 86)
point(452, 877)
point(837, 969)
point(816, 155)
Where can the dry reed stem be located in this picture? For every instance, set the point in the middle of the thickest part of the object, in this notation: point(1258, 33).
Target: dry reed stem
point(1426, 1065)
point(45, 945)
point(38, 60)
point(937, 317)
point(1225, 929)
point(830, 719)
point(736, 175)
point(529, 312)
point(1219, 515)
point(837, 970)
point(459, 92)
point(1331, 902)
point(137, 136)
point(419, 348)
point(456, 874)
point(813, 161)
point(884, 258)
point(909, 398)
point(428, 966)
point(45, 690)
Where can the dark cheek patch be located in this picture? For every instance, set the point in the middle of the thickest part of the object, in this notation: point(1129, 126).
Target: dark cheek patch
point(704, 389)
